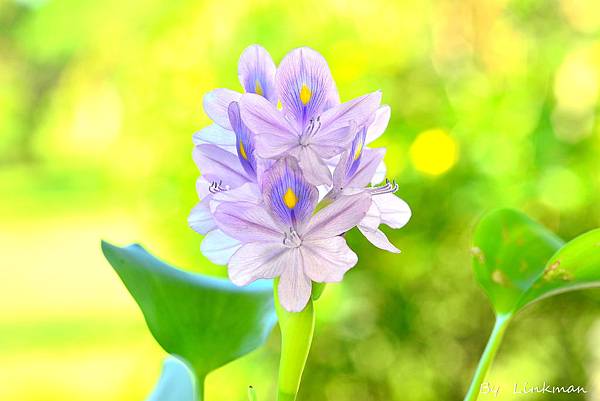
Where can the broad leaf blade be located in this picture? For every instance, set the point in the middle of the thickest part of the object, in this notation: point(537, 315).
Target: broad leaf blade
point(205, 320)
point(510, 252)
point(576, 265)
point(176, 383)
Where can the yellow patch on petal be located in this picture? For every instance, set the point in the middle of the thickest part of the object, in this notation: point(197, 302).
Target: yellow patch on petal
point(305, 94)
point(290, 199)
point(279, 105)
point(243, 151)
point(358, 150)
point(258, 88)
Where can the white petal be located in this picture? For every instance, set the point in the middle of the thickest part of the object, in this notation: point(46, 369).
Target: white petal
point(294, 286)
point(326, 260)
point(200, 218)
point(372, 219)
point(216, 135)
point(378, 126)
point(393, 211)
point(202, 187)
point(218, 247)
point(258, 260)
point(379, 239)
point(216, 103)
point(380, 173)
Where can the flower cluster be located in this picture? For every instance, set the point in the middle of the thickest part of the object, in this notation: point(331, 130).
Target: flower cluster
point(286, 171)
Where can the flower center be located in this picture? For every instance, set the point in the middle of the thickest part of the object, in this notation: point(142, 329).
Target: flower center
point(311, 129)
point(291, 239)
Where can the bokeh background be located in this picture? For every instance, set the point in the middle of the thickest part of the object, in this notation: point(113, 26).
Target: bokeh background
point(495, 103)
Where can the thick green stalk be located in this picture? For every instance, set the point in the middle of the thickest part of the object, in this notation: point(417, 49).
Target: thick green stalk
point(296, 337)
point(487, 358)
point(200, 387)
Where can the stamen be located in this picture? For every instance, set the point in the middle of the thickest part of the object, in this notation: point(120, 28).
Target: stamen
point(388, 188)
point(291, 239)
point(314, 125)
point(216, 187)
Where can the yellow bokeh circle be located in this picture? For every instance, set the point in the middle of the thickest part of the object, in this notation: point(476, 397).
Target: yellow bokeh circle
point(434, 152)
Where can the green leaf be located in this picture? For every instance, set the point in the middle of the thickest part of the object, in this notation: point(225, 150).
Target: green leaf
point(176, 383)
point(517, 261)
point(510, 253)
point(576, 265)
point(205, 320)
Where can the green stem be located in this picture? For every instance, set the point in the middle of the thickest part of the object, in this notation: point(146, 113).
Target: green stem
point(200, 388)
point(489, 353)
point(296, 337)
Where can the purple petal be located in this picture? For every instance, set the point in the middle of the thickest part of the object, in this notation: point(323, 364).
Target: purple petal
point(274, 135)
point(334, 98)
point(257, 260)
point(366, 169)
point(247, 222)
point(328, 144)
point(379, 239)
point(326, 260)
point(216, 135)
point(294, 286)
point(256, 71)
point(339, 217)
point(393, 211)
point(304, 85)
point(219, 165)
point(244, 140)
point(360, 110)
point(340, 171)
point(218, 247)
point(248, 193)
point(200, 218)
point(378, 126)
point(314, 167)
point(216, 103)
point(287, 194)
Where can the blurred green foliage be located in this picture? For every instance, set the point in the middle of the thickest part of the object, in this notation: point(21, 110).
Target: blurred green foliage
point(494, 103)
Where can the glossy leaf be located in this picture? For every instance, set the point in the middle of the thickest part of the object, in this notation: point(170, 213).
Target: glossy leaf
point(205, 320)
point(518, 261)
point(176, 383)
point(510, 252)
point(576, 265)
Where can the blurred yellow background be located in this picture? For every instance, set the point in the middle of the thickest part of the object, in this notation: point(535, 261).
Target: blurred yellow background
point(494, 103)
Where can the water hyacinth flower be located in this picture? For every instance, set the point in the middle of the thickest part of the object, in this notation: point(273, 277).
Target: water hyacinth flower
point(354, 171)
point(280, 186)
point(282, 238)
point(311, 126)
